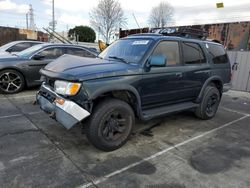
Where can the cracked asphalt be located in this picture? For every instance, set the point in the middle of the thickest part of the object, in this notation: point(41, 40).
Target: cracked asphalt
point(178, 151)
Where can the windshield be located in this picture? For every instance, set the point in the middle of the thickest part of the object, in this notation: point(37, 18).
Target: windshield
point(29, 51)
point(129, 50)
point(6, 46)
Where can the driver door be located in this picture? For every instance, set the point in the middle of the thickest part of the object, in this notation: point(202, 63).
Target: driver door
point(163, 85)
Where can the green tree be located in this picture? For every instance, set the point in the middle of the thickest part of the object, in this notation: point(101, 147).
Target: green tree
point(85, 33)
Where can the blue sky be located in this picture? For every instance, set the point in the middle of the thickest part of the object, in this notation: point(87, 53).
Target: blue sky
point(76, 12)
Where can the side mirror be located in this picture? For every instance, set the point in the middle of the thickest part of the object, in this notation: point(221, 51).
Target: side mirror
point(157, 61)
point(38, 57)
point(9, 50)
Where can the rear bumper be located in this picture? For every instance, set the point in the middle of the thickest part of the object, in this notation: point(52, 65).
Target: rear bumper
point(67, 113)
point(227, 87)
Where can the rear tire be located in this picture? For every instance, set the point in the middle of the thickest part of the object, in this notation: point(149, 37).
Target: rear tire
point(11, 81)
point(209, 104)
point(110, 125)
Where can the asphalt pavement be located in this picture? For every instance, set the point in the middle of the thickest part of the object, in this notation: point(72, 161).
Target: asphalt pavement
point(178, 151)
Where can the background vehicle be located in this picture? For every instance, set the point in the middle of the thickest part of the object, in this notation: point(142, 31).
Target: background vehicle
point(143, 76)
point(17, 46)
point(22, 69)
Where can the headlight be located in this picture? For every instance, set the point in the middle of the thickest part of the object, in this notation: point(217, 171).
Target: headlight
point(66, 88)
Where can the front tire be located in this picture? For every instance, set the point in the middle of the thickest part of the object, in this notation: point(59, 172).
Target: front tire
point(110, 124)
point(11, 81)
point(209, 104)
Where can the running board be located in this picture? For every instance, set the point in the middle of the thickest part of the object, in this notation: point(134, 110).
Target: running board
point(161, 111)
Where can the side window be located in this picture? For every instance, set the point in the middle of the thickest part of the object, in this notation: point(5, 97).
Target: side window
point(79, 52)
point(218, 53)
point(192, 53)
point(52, 53)
point(169, 49)
point(20, 47)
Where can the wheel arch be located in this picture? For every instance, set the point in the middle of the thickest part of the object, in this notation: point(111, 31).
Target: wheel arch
point(123, 92)
point(214, 80)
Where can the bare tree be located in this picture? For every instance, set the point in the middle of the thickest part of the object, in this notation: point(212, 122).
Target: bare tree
point(161, 15)
point(107, 18)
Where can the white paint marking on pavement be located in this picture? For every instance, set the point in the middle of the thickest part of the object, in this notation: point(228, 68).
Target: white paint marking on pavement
point(106, 177)
point(234, 111)
point(18, 97)
point(15, 115)
point(33, 113)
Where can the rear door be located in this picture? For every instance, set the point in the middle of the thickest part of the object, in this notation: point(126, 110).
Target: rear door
point(197, 69)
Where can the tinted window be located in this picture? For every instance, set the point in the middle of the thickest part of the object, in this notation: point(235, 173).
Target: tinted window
point(52, 53)
point(218, 53)
point(192, 53)
point(169, 49)
point(79, 52)
point(19, 47)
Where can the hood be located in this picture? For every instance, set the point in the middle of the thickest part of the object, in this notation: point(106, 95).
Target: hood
point(9, 57)
point(80, 68)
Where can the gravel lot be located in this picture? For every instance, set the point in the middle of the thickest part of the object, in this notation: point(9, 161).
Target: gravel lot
point(178, 151)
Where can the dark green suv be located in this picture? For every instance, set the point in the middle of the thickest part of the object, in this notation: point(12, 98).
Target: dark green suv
point(143, 76)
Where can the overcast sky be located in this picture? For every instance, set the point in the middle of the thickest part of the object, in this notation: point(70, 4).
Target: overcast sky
point(76, 12)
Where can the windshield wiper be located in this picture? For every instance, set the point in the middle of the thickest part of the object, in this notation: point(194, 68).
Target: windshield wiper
point(119, 58)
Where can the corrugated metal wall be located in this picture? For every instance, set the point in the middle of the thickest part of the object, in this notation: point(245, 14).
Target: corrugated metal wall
point(241, 72)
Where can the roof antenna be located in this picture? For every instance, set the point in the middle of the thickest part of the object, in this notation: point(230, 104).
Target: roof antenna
point(137, 23)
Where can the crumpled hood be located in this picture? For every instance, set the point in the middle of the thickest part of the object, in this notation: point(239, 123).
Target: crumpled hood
point(81, 68)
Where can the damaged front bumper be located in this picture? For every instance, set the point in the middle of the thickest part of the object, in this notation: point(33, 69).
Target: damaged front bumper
point(62, 110)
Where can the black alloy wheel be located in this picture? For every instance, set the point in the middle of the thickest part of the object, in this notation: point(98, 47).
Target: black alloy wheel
point(212, 104)
point(110, 124)
point(209, 104)
point(11, 81)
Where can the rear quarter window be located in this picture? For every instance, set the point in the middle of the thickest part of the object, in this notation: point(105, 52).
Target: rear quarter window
point(192, 53)
point(218, 53)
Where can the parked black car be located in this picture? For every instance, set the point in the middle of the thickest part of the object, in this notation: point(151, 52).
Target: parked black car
point(22, 69)
point(17, 46)
point(146, 76)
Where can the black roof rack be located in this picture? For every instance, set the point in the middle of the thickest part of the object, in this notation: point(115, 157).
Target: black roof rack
point(146, 34)
point(183, 31)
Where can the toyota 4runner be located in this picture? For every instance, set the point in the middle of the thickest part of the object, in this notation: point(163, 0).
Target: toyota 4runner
point(143, 76)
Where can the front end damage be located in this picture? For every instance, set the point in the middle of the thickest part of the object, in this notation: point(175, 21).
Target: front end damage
point(66, 112)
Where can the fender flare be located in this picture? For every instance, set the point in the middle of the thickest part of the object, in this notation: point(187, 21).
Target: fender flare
point(207, 82)
point(119, 87)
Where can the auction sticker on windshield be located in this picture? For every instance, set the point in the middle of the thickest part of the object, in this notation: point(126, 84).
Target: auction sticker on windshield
point(140, 42)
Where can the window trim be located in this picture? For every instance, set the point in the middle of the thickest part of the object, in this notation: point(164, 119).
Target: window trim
point(202, 50)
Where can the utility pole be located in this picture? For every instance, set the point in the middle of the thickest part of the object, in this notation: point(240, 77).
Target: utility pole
point(27, 20)
point(53, 16)
point(137, 23)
